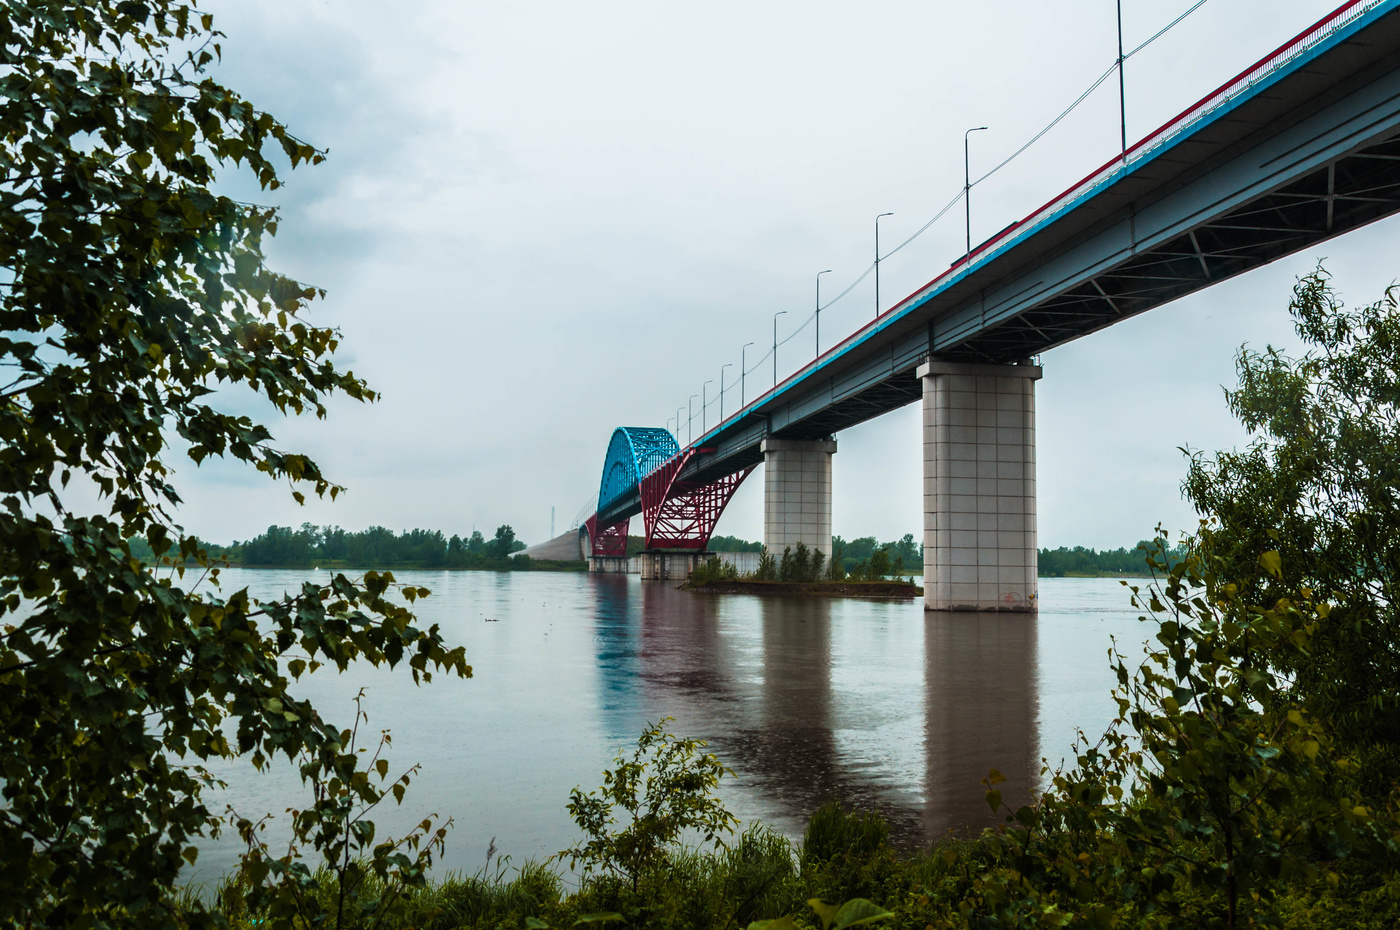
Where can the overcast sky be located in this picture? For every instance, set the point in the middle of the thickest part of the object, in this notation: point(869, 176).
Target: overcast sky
point(541, 221)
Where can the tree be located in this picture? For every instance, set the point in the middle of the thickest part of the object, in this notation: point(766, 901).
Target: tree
point(910, 552)
point(1318, 484)
point(503, 544)
point(836, 570)
point(1213, 783)
point(130, 291)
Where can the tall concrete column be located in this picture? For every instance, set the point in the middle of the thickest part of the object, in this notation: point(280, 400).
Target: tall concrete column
point(979, 486)
point(797, 494)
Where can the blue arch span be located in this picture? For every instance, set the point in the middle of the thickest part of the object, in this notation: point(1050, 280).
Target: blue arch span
point(633, 453)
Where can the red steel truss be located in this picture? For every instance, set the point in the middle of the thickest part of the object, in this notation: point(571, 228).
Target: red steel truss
point(683, 514)
point(610, 540)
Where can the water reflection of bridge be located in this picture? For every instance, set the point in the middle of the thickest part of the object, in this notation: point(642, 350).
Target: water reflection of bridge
point(875, 704)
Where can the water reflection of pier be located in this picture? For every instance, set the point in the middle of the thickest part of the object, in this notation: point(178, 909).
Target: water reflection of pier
point(980, 705)
point(814, 699)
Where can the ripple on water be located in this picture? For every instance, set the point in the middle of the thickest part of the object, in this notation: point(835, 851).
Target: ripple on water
point(875, 703)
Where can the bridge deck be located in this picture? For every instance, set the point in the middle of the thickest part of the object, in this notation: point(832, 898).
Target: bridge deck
point(1301, 147)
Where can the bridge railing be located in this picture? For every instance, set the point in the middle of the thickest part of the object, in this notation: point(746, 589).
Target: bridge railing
point(1298, 45)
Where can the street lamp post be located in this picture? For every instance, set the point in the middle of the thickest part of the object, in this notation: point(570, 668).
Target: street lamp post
point(721, 388)
point(877, 263)
point(819, 308)
point(775, 346)
point(967, 190)
point(704, 408)
point(1122, 96)
point(743, 373)
point(690, 422)
point(678, 425)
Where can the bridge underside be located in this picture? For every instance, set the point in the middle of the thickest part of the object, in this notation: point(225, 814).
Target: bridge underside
point(1352, 191)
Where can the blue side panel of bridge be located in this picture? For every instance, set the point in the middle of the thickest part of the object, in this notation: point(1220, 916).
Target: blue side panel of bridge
point(633, 453)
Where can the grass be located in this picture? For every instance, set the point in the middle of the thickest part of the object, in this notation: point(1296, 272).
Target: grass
point(843, 855)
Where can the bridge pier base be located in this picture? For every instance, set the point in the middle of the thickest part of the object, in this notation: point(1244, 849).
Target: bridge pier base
point(669, 566)
point(979, 486)
point(608, 564)
point(797, 494)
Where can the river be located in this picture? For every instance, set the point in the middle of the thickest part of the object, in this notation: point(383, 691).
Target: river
point(876, 703)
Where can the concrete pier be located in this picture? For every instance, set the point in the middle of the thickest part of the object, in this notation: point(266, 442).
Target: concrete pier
point(979, 486)
point(797, 494)
point(669, 566)
point(610, 565)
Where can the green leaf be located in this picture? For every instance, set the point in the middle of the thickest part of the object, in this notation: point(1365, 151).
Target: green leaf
point(859, 911)
point(777, 923)
point(825, 912)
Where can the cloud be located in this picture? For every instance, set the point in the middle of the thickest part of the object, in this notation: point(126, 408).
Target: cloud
point(542, 221)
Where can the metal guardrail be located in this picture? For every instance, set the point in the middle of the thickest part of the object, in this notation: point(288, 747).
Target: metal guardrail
point(1242, 82)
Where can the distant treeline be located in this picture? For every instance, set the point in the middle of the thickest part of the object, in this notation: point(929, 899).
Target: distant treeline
point(859, 551)
point(733, 544)
point(381, 548)
point(1053, 562)
point(1061, 562)
point(636, 544)
point(377, 547)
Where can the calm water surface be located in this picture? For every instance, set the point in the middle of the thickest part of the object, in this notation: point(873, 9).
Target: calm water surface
point(876, 703)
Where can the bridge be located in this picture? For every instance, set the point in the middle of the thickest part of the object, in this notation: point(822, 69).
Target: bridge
point(1301, 146)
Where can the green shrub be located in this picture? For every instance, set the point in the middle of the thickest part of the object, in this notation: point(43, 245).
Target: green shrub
point(794, 563)
point(759, 875)
point(846, 854)
point(713, 569)
point(767, 567)
point(834, 833)
point(801, 565)
point(467, 901)
point(665, 788)
point(836, 570)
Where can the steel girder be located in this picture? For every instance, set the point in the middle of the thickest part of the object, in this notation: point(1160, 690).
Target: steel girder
point(633, 453)
point(608, 540)
point(1351, 191)
point(683, 514)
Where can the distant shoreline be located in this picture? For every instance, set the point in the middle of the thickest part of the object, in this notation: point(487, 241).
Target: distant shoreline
point(549, 565)
point(881, 589)
point(507, 565)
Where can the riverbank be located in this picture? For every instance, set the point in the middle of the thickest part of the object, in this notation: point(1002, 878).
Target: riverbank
point(762, 875)
point(879, 589)
point(514, 564)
